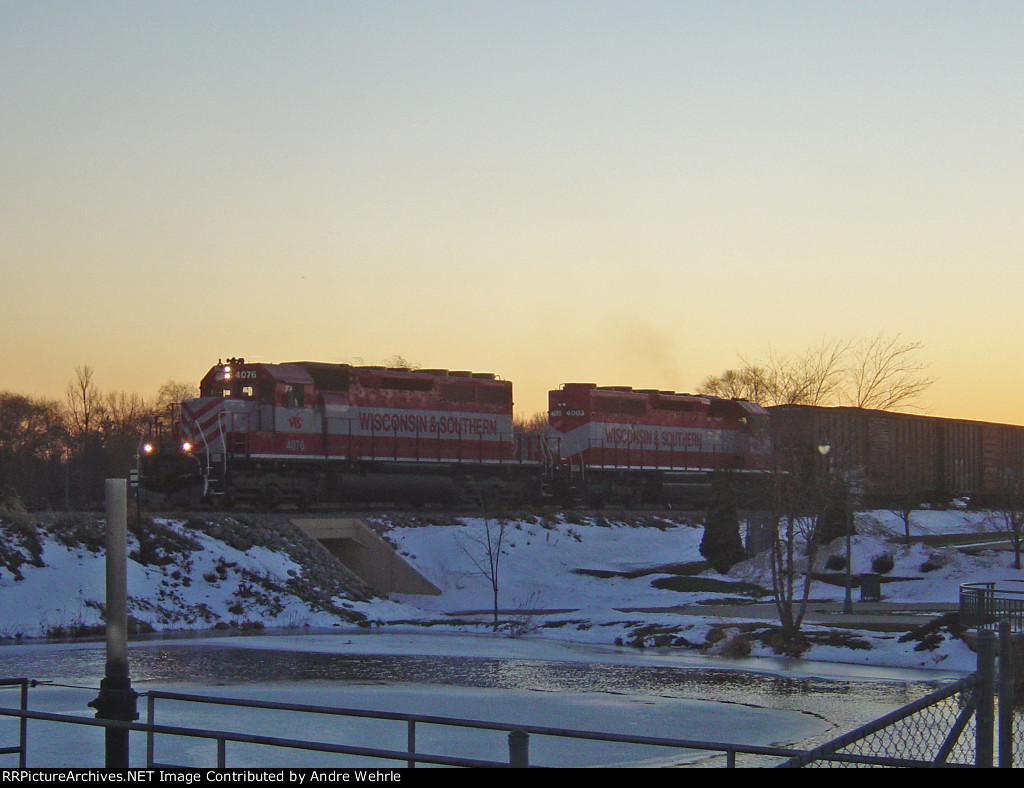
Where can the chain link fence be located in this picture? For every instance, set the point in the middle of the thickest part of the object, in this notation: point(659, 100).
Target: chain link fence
point(978, 721)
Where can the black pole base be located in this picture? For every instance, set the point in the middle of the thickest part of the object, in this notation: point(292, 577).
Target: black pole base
point(116, 701)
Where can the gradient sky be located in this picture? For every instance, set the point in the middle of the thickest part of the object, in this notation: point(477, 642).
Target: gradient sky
point(624, 193)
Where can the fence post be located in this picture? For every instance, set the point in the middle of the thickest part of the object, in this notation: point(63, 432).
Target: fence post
point(150, 721)
point(1007, 687)
point(984, 716)
point(519, 749)
point(23, 727)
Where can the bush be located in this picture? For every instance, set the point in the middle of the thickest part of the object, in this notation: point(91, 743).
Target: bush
point(74, 529)
point(835, 563)
point(690, 585)
point(722, 544)
point(882, 564)
point(935, 561)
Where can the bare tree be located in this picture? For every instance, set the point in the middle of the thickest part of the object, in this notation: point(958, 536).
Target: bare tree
point(535, 424)
point(881, 373)
point(33, 445)
point(485, 552)
point(401, 362)
point(85, 405)
point(171, 393)
point(794, 517)
point(1009, 515)
point(884, 374)
point(811, 378)
point(904, 488)
point(747, 382)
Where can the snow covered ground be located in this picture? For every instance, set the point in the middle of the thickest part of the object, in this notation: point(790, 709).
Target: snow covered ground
point(205, 579)
point(541, 570)
point(590, 569)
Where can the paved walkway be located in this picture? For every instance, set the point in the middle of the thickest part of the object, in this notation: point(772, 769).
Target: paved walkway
point(875, 616)
point(878, 616)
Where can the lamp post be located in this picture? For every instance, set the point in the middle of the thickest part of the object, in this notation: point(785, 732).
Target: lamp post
point(848, 516)
point(823, 450)
point(117, 699)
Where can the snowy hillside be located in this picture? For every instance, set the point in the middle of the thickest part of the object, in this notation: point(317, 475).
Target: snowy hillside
point(641, 582)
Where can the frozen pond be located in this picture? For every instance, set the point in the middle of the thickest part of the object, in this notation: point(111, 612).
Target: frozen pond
point(617, 690)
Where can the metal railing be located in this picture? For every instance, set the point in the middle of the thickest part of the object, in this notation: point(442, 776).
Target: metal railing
point(983, 606)
point(518, 736)
point(967, 723)
point(21, 747)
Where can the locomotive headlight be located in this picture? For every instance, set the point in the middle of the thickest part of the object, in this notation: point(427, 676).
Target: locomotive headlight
point(186, 447)
point(147, 448)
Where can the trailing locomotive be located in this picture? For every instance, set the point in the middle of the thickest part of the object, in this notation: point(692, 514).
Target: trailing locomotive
point(634, 445)
point(307, 432)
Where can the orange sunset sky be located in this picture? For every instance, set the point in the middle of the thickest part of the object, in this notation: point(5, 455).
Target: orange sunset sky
point(624, 193)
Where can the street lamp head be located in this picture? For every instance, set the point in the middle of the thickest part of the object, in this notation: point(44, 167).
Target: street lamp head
point(824, 449)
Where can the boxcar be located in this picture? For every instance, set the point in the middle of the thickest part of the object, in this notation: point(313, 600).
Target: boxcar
point(893, 456)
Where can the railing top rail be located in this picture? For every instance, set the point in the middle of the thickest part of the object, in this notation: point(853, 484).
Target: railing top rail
point(978, 585)
point(990, 591)
point(539, 730)
point(248, 738)
point(706, 746)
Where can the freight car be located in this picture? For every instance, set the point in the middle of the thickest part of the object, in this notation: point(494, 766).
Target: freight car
point(891, 458)
point(307, 432)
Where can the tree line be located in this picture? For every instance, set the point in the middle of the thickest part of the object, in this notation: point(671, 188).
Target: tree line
point(880, 373)
point(55, 454)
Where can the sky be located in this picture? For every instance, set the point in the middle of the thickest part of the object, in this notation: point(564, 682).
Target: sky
point(623, 193)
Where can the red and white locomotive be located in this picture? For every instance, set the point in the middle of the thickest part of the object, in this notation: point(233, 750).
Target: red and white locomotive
point(641, 444)
point(307, 432)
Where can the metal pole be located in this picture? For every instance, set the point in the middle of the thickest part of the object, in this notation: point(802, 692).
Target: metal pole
point(23, 728)
point(117, 700)
point(1004, 709)
point(519, 749)
point(848, 514)
point(984, 716)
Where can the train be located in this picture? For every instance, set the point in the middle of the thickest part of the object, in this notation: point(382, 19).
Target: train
point(308, 433)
